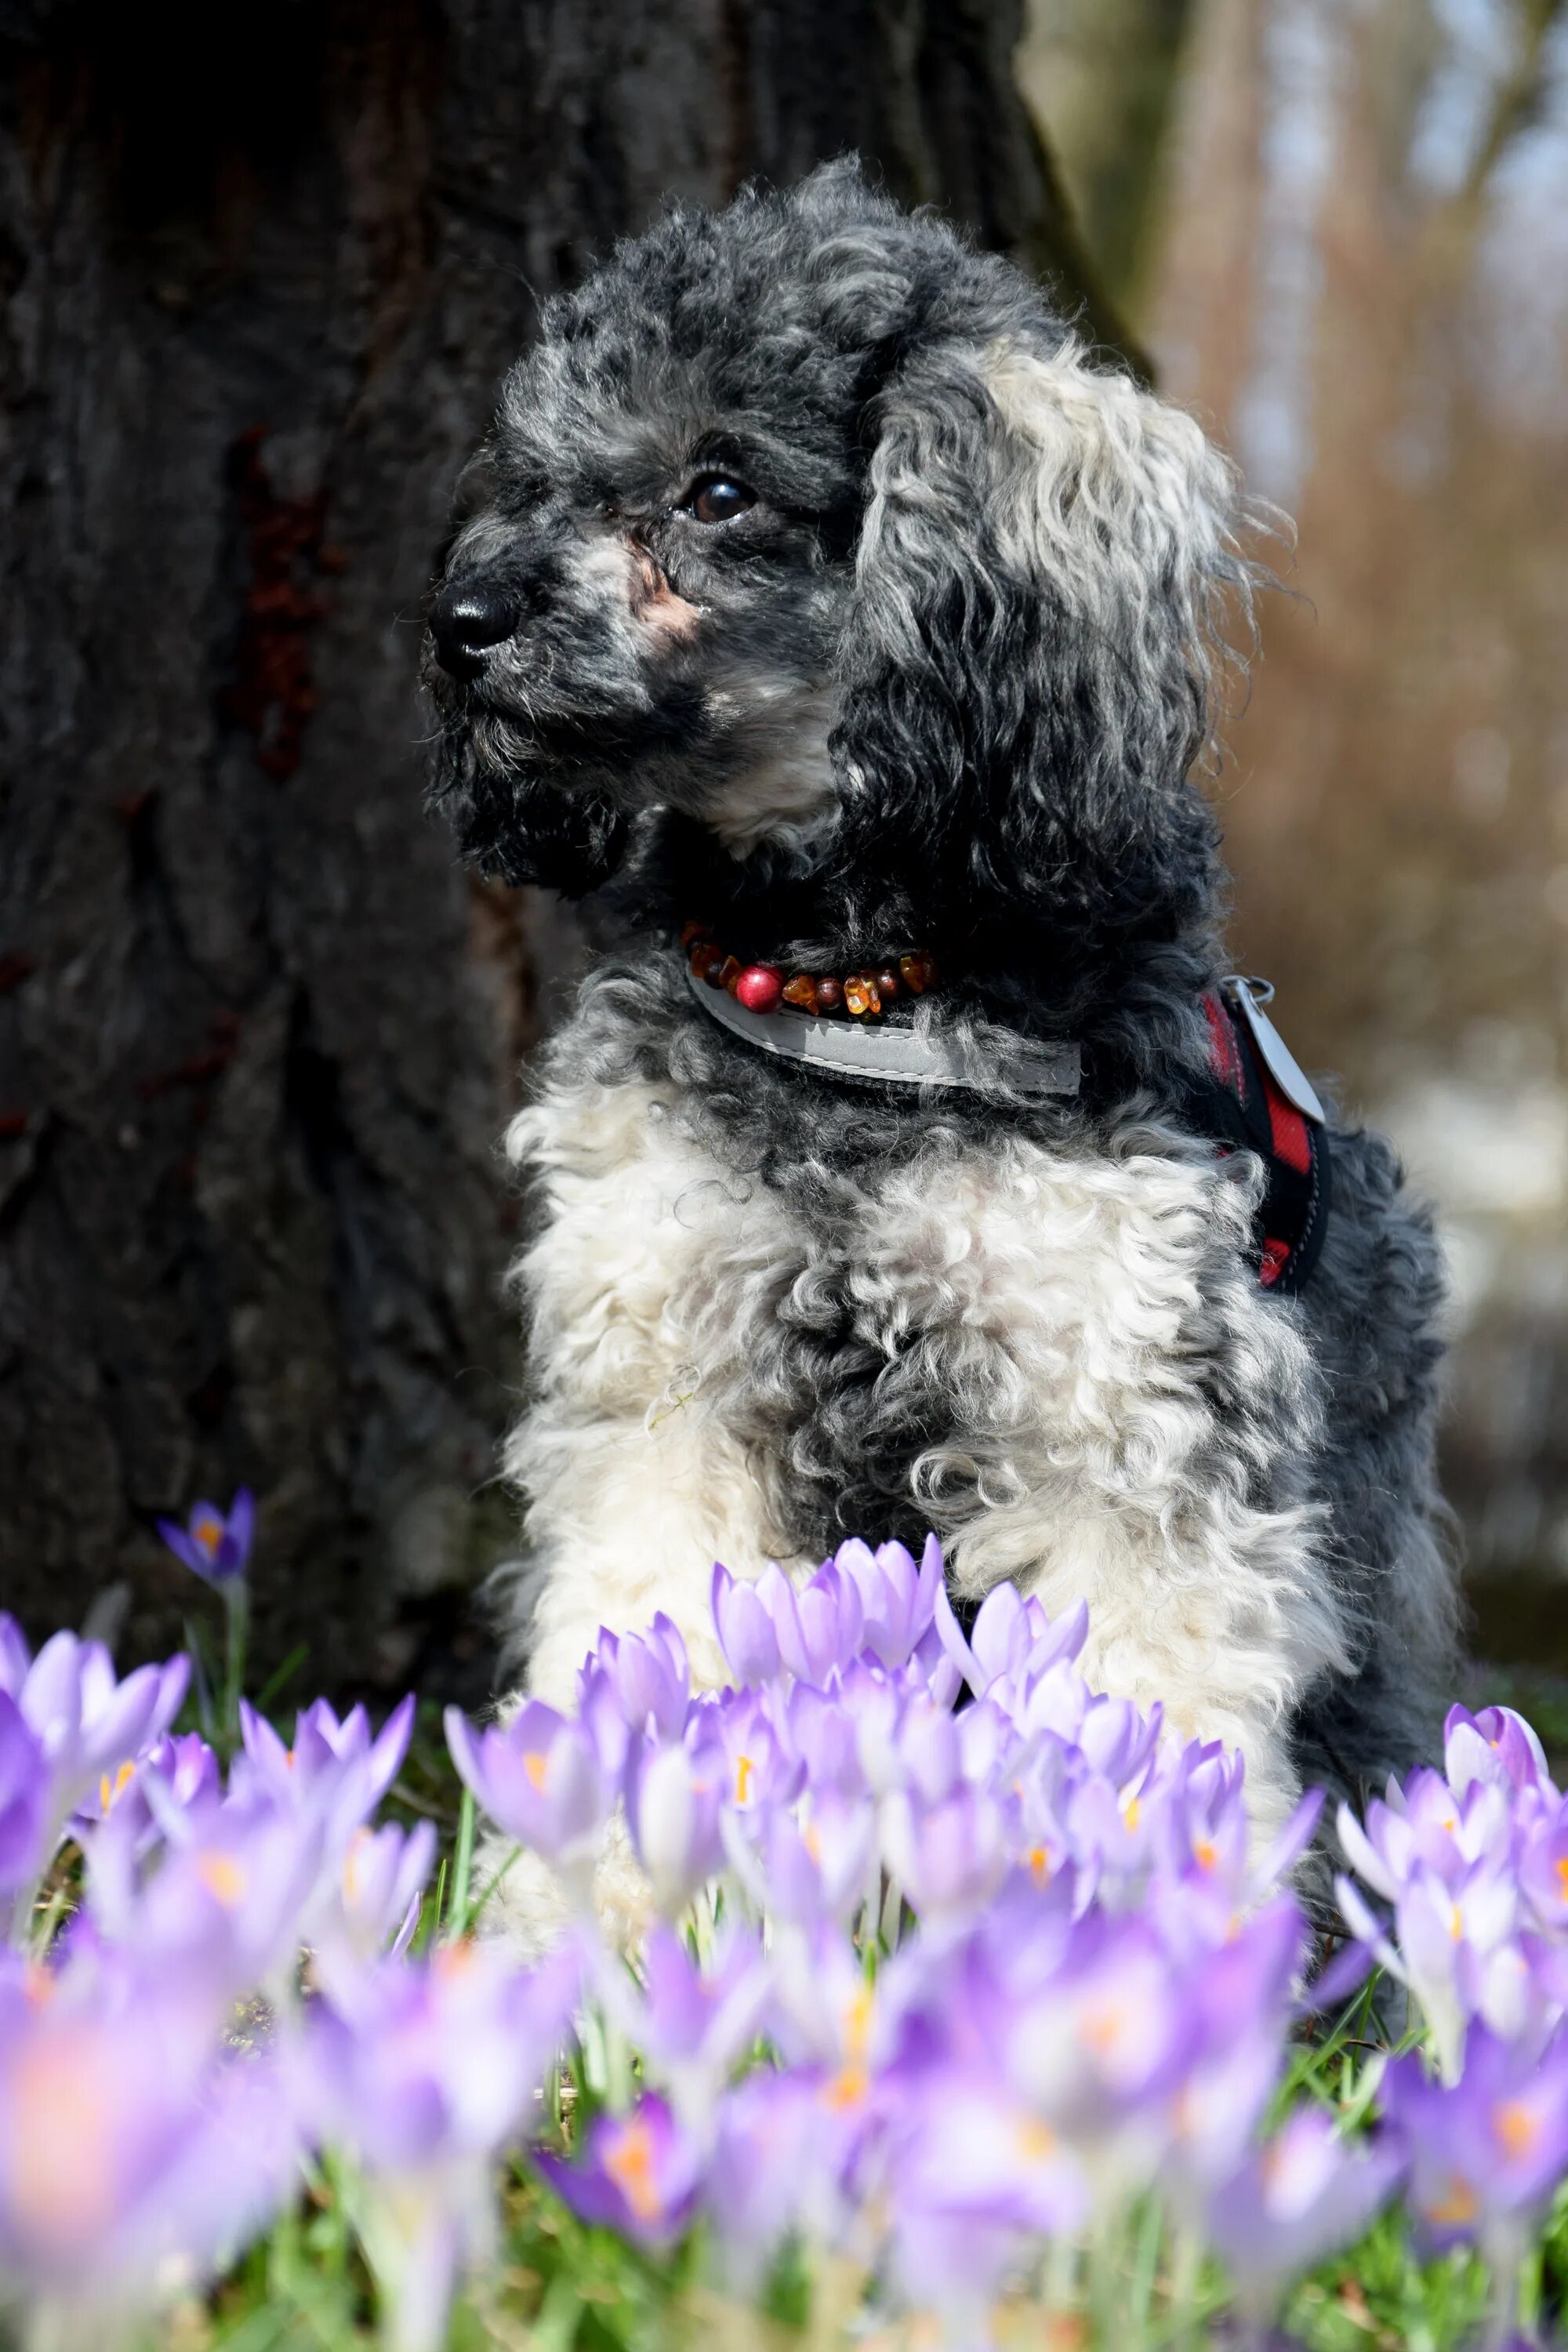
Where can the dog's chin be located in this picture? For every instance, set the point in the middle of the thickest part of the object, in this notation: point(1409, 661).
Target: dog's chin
point(779, 791)
point(759, 778)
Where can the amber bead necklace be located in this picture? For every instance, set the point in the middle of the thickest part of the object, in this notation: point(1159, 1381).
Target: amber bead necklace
point(765, 987)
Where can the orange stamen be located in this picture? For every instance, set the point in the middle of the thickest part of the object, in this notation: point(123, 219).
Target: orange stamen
point(222, 1877)
point(1515, 2126)
point(630, 2165)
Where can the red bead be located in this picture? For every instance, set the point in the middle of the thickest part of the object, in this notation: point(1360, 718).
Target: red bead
point(760, 987)
point(887, 981)
point(829, 994)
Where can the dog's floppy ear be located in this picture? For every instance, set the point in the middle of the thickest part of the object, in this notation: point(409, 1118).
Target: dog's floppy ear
point(1030, 662)
point(525, 831)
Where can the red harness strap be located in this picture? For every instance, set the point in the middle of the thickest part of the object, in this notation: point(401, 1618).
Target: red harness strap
point(1250, 1111)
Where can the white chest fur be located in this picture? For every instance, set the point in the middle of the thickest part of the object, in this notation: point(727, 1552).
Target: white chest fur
point(1124, 1415)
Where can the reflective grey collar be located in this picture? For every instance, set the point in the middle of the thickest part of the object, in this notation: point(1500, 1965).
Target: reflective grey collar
point(904, 1058)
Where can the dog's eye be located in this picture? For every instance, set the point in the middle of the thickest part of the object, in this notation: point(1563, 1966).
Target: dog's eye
point(717, 499)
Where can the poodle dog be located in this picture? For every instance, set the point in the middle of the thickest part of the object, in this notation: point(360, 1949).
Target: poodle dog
point(834, 620)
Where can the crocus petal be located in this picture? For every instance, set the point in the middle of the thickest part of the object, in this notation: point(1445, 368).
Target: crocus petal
point(16, 1658)
point(241, 1528)
point(1363, 1857)
point(186, 1550)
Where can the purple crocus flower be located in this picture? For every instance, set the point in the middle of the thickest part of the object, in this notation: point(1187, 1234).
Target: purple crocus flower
point(1486, 2154)
point(540, 1779)
point(948, 1858)
point(1495, 1746)
point(931, 1752)
point(1543, 1871)
point(131, 2153)
point(180, 1772)
point(335, 1768)
point(87, 1722)
point(809, 1630)
point(1297, 2201)
point(825, 2015)
point(1238, 1998)
point(974, 2179)
point(1105, 2039)
point(23, 1800)
point(898, 1600)
point(373, 1901)
point(672, 1813)
point(969, 2148)
point(745, 1625)
point(650, 1675)
point(214, 1545)
point(640, 2174)
point(826, 1628)
point(1454, 1945)
point(749, 1743)
point(424, 2074)
point(805, 1870)
point(819, 1729)
point(1012, 1638)
point(226, 1899)
point(776, 2172)
point(691, 2023)
point(416, 2065)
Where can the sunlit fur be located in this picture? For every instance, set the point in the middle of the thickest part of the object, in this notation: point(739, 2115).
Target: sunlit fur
point(948, 685)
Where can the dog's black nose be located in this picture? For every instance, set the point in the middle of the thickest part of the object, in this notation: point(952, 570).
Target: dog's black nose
point(466, 620)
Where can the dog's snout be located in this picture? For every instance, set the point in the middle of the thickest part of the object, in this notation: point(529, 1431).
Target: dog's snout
point(466, 619)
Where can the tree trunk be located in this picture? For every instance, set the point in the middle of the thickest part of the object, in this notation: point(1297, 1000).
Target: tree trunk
point(264, 270)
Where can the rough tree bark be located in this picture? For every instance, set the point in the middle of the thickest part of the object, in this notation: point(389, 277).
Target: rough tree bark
point(263, 268)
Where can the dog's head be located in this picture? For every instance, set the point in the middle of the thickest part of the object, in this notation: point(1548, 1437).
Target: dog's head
point(806, 522)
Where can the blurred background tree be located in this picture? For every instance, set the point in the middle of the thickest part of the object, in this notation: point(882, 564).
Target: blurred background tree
point(263, 269)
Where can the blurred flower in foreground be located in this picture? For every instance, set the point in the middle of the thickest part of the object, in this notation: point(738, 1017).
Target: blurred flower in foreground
point(1301, 2196)
point(226, 1899)
point(213, 1544)
point(375, 1901)
point(690, 2023)
point(23, 1800)
point(638, 2174)
point(134, 2155)
point(939, 2008)
point(1486, 2154)
point(423, 2074)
